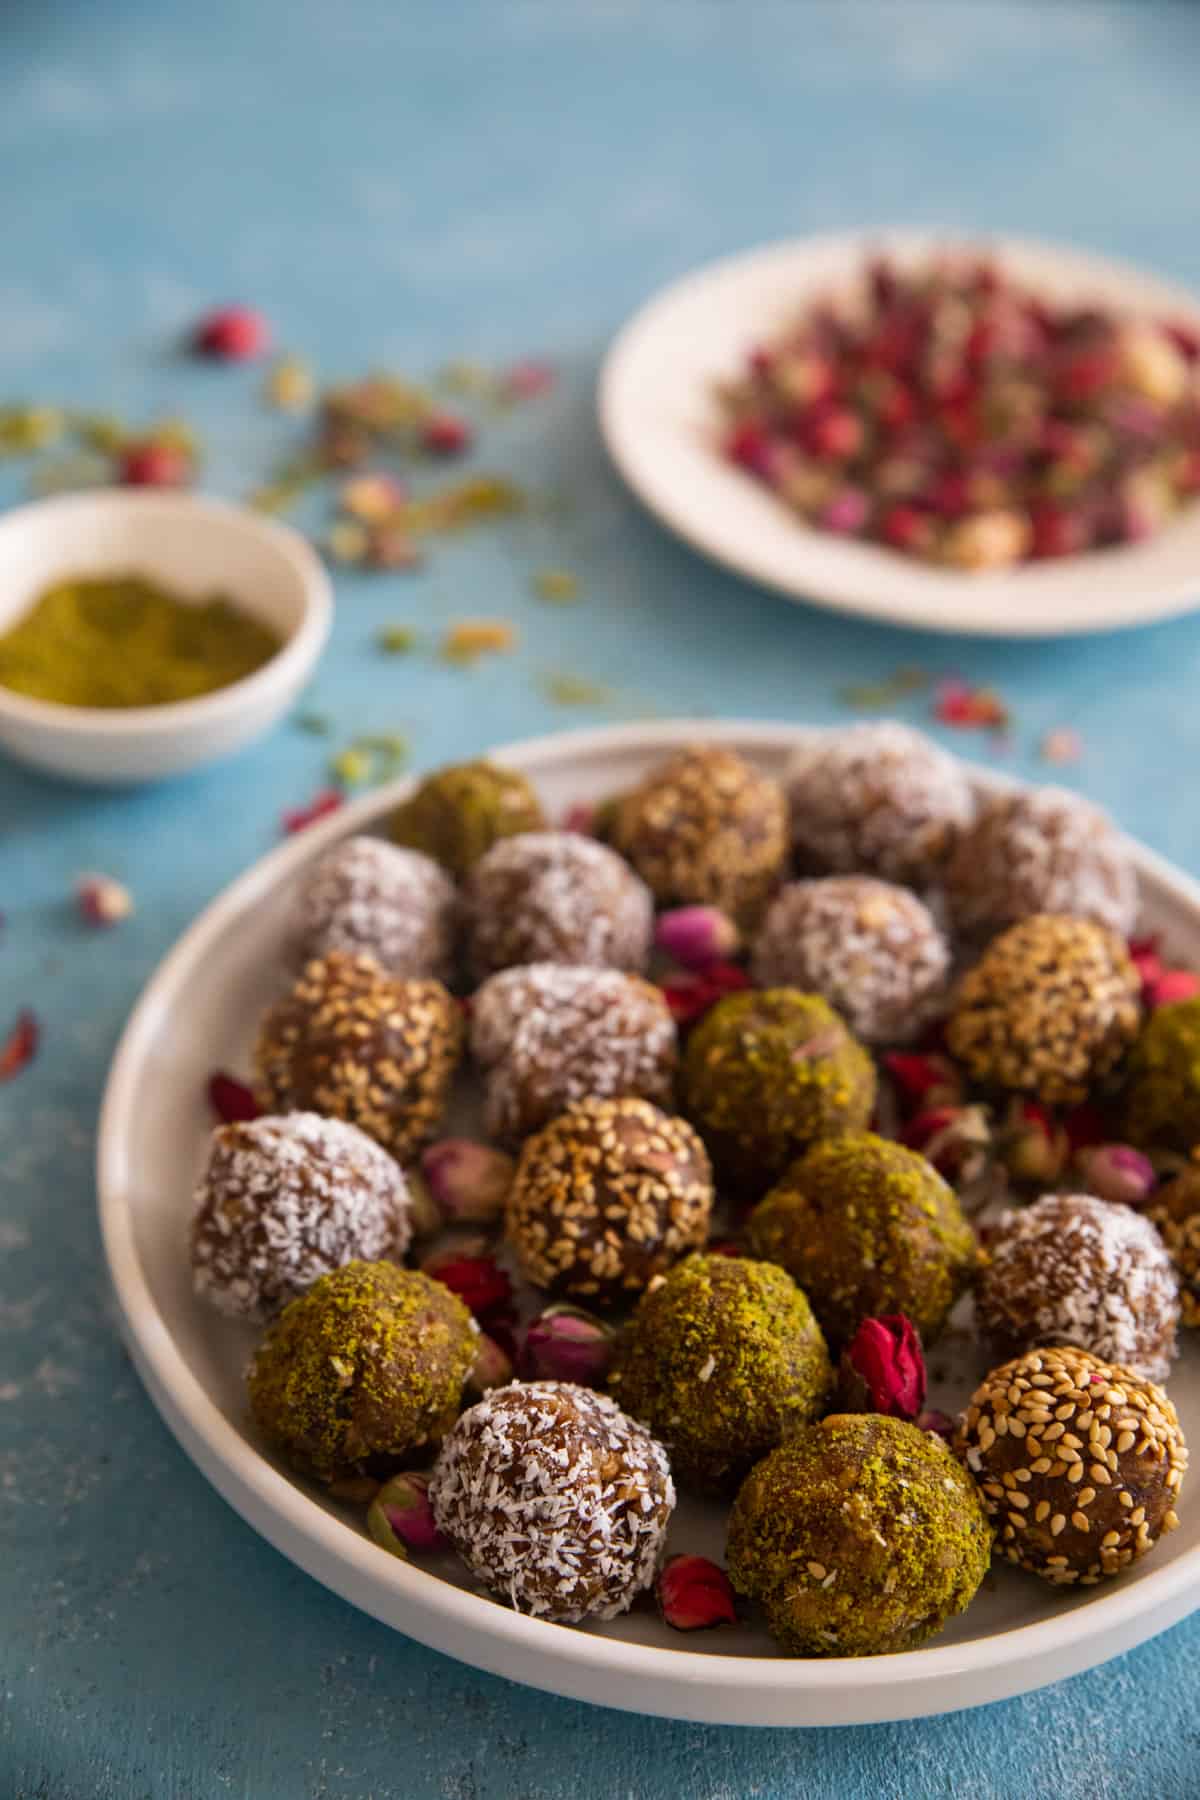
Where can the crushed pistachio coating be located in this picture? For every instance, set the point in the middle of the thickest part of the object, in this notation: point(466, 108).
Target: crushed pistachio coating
point(363, 1370)
point(859, 1536)
point(767, 1073)
point(1050, 1009)
point(458, 813)
point(722, 1359)
point(1175, 1209)
point(1162, 1099)
point(867, 1227)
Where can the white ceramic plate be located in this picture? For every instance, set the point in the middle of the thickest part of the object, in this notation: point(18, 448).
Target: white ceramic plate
point(197, 1014)
point(660, 422)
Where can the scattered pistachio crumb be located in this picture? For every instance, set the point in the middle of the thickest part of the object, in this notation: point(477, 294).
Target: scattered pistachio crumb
point(314, 723)
point(352, 767)
point(346, 541)
point(556, 584)
point(290, 386)
point(470, 639)
point(575, 690)
point(397, 640)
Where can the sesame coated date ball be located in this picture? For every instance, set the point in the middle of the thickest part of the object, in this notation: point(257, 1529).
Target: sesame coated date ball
point(767, 1073)
point(867, 1227)
point(283, 1201)
point(1049, 1009)
point(363, 1371)
point(859, 1536)
point(1079, 1462)
point(705, 828)
point(556, 897)
point(367, 897)
point(1162, 1098)
point(456, 814)
point(358, 1044)
point(722, 1359)
point(555, 1500)
point(607, 1196)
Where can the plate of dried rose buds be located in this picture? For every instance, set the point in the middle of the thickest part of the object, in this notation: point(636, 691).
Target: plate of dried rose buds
point(700, 1218)
point(999, 438)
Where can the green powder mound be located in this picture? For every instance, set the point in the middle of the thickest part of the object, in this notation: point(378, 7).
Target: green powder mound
point(722, 1360)
point(458, 813)
point(867, 1227)
point(362, 1371)
point(1162, 1099)
point(859, 1536)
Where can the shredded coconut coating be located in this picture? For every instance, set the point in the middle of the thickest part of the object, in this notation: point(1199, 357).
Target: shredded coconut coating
point(369, 897)
point(876, 798)
point(1043, 850)
point(873, 950)
point(555, 1500)
point(1079, 1463)
point(556, 897)
point(1072, 1269)
point(548, 1035)
point(284, 1201)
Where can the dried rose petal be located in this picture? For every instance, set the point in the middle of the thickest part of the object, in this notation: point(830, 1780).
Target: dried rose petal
point(581, 818)
point(1084, 1125)
point(231, 1099)
point(694, 1594)
point(401, 1519)
point(20, 1046)
point(940, 1423)
point(526, 379)
point(319, 807)
point(479, 1281)
point(957, 1140)
point(1172, 986)
point(689, 996)
point(1143, 954)
point(233, 334)
point(967, 708)
point(469, 1181)
point(154, 465)
point(924, 1079)
point(446, 435)
point(883, 1369)
point(696, 937)
point(567, 1344)
point(102, 901)
point(493, 1366)
point(723, 1247)
point(1117, 1172)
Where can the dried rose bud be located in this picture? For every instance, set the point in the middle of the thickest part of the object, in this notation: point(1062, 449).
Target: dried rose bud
point(479, 1281)
point(231, 1099)
point(957, 1140)
point(469, 1181)
point(1032, 1145)
point(924, 1081)
point(102, 901)
point(581, 818)
point(154, 465)
point(567, 1344)
point(446, 435)
point(233, 333)
point(694, 1594)
point(883, 1369)
point(425, 1214)
point(492, 1368)
point(1172, 986)
point(1116, 1172)
point(401, 1518)
point(696, 936)
point(940, 1423)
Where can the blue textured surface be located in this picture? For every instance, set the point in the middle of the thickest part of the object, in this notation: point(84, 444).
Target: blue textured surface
point(396, 184)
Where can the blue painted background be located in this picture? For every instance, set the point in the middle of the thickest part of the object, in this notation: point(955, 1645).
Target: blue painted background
point(396, 184)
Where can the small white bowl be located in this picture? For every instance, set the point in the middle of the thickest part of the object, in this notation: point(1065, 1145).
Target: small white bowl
point(194, 547)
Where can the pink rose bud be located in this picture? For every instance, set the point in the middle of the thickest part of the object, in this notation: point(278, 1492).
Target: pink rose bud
point(424, 1212)
point(955, 1139)
point(694, 1594)
point(883, 1369)
point(1033, 1145)
point(469, 1181)
point(580, 817)
point(1172, 986)
point(401, 1519)
point(232, 334)
point(696, 936)
point(103, 901)
point(1116, 1172)
point(940, 1423)
point(924, 1080)
point(566, 1344)
point(492, 1366)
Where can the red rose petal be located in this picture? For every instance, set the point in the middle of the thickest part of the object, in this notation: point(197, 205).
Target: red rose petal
point(231, 1099)
point(319, 807)
point(694, 1594)
point(20, 1046)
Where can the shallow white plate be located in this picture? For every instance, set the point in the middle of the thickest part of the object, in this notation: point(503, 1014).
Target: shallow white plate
point(197, 1014)
point(660, 422)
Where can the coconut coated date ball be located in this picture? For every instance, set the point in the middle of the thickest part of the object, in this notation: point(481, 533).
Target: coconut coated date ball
point(283, 1201)
point(555, 1500)
point(363, 1371)
point(1079, 1462)
point(767, 1073)
point(556, 897)
point(361, 1045)
point(722, 1359)
point(370, 898)
point(1162, 1098)
point(867, 1227)
point(859, 1536)
point(456, 814)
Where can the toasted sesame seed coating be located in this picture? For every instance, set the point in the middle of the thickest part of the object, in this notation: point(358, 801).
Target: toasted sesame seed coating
point(556, 897)
point(371, 898)
point(1162, 1097)
point(459, 812)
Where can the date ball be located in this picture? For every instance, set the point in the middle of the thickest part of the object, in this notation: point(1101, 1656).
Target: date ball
point(859, 1536)
point(363, 1371)
point(361, 1045)
point(722, 1360)
point(867, 1228)
point(1174, 1210)
point(1079, 1462)
point(1162, 1098)
point(548, 1035)
point(369, 898)
point(1042, 850)
point(877, 799)
point(283, 1201)
point(556, 1501)
point(765, 1074)
point(705, 828)
point(556, 897)
point(873, 950)
point(456, 814)
point(1049, 1010)
point(1075, 1270)
point(610, 1194)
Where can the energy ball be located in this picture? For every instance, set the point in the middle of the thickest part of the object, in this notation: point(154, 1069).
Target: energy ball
point(1078, 1460)
point(1162, 1098)
point(363, 1371)
point(874, 951)
point(705, 828)
point(456, 814)
point(1174, 1210)
point(610, 1194)
point(548, 1035)
point(767, 1073)
point(875, 798)
point(370, 898)
point(556, 897)
point(555, 1500)
point(1072, 1269)
point(1042, 850)
point(1049, 1009)
point(867, 1227)
point(361, 1045)
point(859, 1536)
point(722, 1360)
point(283, 1201)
